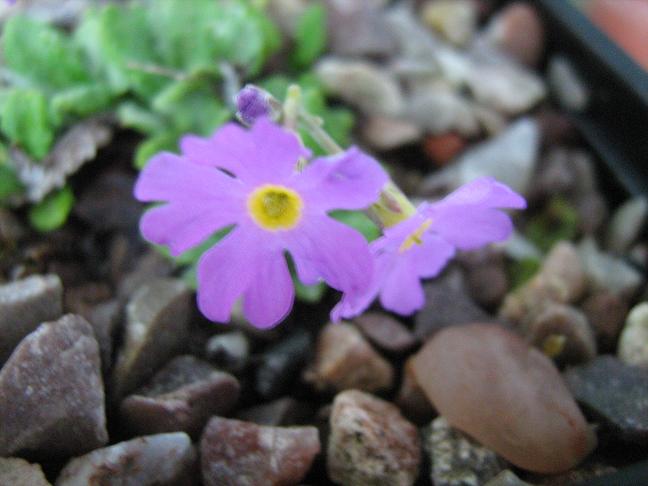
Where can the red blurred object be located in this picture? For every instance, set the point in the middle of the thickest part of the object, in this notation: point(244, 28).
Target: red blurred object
point(443, 148)
point(624, 21)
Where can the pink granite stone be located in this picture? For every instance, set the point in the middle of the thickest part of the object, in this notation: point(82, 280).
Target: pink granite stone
point(246, 454)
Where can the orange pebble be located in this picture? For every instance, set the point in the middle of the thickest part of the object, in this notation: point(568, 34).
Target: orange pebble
point(443, 148)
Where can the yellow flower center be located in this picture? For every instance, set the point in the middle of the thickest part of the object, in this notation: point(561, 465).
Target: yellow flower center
point(275, 207)
point(415, 237)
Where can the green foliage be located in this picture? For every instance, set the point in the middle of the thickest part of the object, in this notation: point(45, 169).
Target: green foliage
point(41, 56)
point(52, 212)
point(338, 122)
point(165, 141)
point(521, 271)
point(359, 221)
point(310, 35)
point(189, 259)
point(557, 221)
point(80, 101)
point(9, 183)
point(25, 121)
point(311, 294)
point(157, 65)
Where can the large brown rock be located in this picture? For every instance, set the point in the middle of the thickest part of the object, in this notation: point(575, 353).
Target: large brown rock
point(154, 460)
point(18, 472)
point(344, 360)
point(24, 305)
point(371, 443)
point(157, 321)
point(51, 392)
point(180, 397)
point(487, 382)
point(236, 453)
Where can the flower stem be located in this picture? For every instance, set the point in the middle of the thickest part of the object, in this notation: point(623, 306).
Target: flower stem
point(392, 207)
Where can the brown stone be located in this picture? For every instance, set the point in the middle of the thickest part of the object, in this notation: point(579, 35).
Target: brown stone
point(157, 320)
point(411, 399)
point(561, 332)
point(344, 360)
point(18, 472)
point(561, 280)
point(371, 444)
point(51, 392)
point(443, 148)
point(247, 454)
point(385, 332)
point(24, 304)
point(154, 460)
point(487, 382)
point(606, 313)
point(518, 31)
point(180, 397)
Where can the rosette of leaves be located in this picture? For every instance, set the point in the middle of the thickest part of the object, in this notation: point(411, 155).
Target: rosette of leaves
point(154, 66)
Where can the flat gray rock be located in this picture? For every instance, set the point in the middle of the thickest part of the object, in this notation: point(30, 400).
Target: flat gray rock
point(616, 394)
point(157, 320)
point(24, 304)
point(51, 392)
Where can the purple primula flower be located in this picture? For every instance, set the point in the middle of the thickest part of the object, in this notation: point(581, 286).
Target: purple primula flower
point(422, 245)
point(248, 179)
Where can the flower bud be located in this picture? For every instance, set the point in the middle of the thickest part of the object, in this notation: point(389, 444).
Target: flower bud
point(253, 103)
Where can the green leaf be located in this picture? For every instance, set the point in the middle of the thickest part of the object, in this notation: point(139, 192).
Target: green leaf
point(557, 221)
point(52, 212)
point(25, 121)
point(245, 37)
point(80, 101)
point(310, 35)
point(191, 105)
point(521, 271)
point(311, 294)
point(338, 122)
point(137, 117)
point(191, 257)
point(42, 55)
point(184, 32)
point(9, 183)
point(120, 43)
point(359, 221)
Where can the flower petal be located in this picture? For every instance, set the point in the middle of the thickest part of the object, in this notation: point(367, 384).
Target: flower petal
point(469, 227)
point(169, 177)
point(277, 152)
point(338, 253)
point(485, 192)
point(225, 273)
point(355, 303)
point(401, 289)
point(183, 225)
point(269, 298)
point(351, 180)
point(229, 148)
point(432, 256)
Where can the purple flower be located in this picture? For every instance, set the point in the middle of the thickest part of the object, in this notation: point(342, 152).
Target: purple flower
point(248, 180)
point(422, 245)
